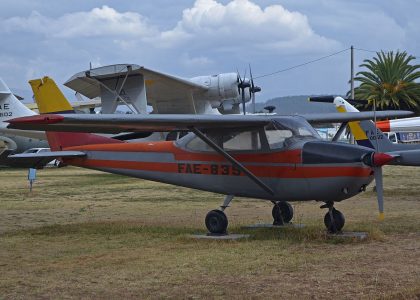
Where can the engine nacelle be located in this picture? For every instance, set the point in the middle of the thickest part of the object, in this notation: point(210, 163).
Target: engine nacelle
point(222, 88)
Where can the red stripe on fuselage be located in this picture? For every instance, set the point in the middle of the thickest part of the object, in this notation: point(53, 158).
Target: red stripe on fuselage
point(288, 156)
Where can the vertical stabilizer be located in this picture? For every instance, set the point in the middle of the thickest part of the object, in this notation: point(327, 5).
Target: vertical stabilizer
point(10, 106)
point(365, 132)
point(49, 97)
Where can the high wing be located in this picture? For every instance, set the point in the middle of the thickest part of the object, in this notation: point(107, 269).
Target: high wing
point(166, 93)
point(111, 123)
point(36, 160)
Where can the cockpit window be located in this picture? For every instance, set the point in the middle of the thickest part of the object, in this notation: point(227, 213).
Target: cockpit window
point(242, 141)
point(282, 132)
point(229, 141)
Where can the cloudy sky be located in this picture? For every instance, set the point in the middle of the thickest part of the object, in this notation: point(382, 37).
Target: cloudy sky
point(199, 37)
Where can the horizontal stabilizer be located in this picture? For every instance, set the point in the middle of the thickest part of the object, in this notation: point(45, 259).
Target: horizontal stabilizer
point(39, 160)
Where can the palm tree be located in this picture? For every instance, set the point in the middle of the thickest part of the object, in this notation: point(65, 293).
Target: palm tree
point(390, 82)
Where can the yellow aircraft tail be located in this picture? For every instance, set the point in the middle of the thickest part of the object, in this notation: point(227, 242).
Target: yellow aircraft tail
point(49, 97)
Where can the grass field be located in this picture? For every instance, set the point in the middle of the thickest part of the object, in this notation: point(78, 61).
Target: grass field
point(86, 234)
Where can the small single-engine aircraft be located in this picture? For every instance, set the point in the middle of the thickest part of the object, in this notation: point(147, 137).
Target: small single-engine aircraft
point(275, 158)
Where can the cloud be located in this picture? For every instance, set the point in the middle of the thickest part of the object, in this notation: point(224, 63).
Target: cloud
point(104, 21)
point(242, 23)
point(208, 24)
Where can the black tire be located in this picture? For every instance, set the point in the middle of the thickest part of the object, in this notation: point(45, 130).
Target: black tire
point(283, 209)
point(216, 222)
point(339, 221)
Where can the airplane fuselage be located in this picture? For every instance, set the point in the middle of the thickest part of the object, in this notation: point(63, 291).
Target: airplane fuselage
point(283, 171)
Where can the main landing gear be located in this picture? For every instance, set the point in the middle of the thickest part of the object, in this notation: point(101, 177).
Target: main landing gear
point(282, 212)
point(334, 220)
point(216, 220)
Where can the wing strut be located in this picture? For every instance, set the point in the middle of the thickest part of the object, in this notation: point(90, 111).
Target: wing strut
point(232, 160)
point(117, 94)
point(339, 131)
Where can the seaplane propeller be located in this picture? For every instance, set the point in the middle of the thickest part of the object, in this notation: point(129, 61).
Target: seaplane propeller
point(244, 83)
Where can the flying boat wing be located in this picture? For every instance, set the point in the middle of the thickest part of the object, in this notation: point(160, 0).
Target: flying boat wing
point(114, 123)
point(165, 93)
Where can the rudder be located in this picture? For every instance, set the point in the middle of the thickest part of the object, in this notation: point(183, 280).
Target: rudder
point(49, 97)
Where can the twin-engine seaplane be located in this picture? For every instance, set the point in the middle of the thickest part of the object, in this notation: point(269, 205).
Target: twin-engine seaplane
point(275, 158)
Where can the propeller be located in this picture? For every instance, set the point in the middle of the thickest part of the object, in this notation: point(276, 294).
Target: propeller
point(376, 160)
point(243, 84)
point(253, 89)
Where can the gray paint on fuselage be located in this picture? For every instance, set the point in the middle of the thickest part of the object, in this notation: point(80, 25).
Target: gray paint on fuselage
point(132, 156)
point(286, 189)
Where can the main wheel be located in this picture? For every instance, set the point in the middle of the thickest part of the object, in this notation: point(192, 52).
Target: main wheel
point(282, 212)
point(216, 222)
point(335, 224)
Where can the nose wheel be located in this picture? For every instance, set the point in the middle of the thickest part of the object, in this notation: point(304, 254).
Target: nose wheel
point(216, 220)
point(334, 220)
point(282, 213)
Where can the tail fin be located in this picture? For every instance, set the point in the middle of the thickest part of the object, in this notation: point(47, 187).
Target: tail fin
point(365, 132)
point(51, 100)
point(10, 106)
point(49, 97)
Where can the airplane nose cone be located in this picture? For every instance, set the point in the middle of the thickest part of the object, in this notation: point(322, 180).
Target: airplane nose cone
point(315, 152)
point(375, 159)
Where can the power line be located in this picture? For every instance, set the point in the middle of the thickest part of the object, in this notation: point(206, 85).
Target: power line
point(372, 51)
point(318, 59)
point(303, 64)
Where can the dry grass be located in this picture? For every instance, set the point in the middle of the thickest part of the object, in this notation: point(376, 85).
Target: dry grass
point(85, 234)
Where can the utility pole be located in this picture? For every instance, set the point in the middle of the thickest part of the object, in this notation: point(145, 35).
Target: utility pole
point(352, 141)
point(352, 72)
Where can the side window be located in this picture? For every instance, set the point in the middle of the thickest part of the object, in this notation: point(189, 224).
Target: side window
point(229, 141)
point(242, 141)
point(276, 137)
point(198, 144)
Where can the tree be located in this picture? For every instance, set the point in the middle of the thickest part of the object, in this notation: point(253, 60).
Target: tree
point(390, 81)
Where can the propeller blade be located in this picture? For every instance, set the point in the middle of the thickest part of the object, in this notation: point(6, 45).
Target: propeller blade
point(379, 191)
point(251, 90)
point(243, 103)
point(238, 81)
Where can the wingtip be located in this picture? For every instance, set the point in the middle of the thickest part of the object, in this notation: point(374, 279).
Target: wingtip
point(37, 119)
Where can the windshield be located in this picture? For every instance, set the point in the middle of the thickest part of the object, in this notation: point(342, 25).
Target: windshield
point(284, 132)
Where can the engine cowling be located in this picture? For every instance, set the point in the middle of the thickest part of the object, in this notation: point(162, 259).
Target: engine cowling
point(223, 92)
